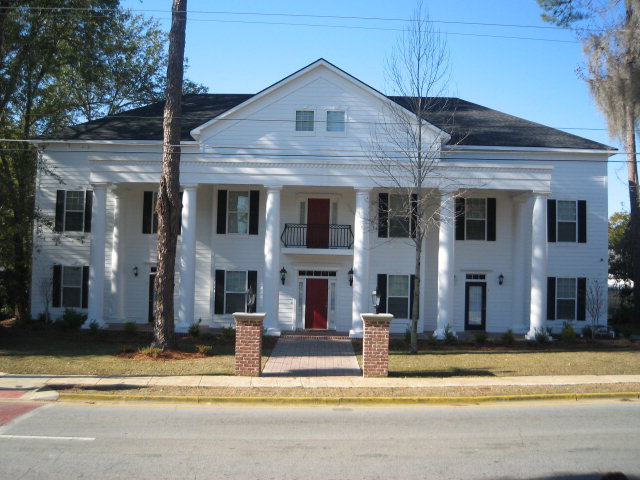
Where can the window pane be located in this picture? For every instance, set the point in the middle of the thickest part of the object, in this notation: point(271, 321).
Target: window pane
point(398, 227)
point(238, 201)
point(476, 208)
point(475, 305)
point(398, 216)
point(335, 121)
point(73, 221)
point(72, 276)
point(398, 286)
point(475, 229)
point(304, 120)
point(566, 231)
point(398, 307)
point(238, 222)
point(71, 297)
point(236, 282)
point(566, 288)
point(566, 309)
point(75, 200)
point(567, 211)
point(235, 303)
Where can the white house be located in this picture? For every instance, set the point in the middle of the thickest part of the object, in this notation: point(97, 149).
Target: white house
point(280, 181)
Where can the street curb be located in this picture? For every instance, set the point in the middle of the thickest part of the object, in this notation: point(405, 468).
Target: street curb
point(91, 398)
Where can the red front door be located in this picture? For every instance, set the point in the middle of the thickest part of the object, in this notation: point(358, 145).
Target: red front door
point(316, 303)
point(318, 223)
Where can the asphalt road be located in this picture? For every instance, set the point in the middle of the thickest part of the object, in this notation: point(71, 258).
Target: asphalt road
point(525, 441)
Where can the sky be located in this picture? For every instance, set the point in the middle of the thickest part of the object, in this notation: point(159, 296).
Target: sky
point(502, 55)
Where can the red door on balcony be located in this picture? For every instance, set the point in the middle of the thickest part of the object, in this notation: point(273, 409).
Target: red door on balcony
point(318, 213)
point(315, 315)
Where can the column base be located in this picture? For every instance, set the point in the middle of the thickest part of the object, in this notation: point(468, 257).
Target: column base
point(273, 332)
point(355, 333)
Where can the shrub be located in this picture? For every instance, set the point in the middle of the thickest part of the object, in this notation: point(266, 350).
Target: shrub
point(153, 352)
point(449, 337)
point(228, 333)
point(507, 338)
point(94, 327)
point(70, 320)
point(541, 336)
point(587, 332)
point(194, 329)
point(126, 349)
point(204, 349)
point(480, 338)
point(568, 334)
point(130, 327)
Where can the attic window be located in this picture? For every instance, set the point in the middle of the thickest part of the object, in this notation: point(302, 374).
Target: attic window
point(335, 121)
point(304, 120)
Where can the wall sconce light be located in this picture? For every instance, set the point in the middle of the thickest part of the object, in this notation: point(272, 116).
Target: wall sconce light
point(135, 271)
point(375, 299)
point(350, 272)
point(500, 279)
point(251, 301)
point(283, 275)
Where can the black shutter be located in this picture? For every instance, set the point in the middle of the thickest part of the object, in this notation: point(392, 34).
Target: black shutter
point(459, 213)
point(218, 307)
point(222, 212)
point(382, 290)
point(59, 225)
point(383, 215)
point(414, 215)
point(88, 206)
point(582, 221)
point(582, 299)
point(57, 286)
point(491, 219)
point(551, 220)
point(147, 212)
point(85, 287)
point(412, 283)
point(252, 284)
point(551, 298)
point(254, 211)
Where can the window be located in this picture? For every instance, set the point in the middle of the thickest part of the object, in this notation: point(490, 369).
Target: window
point(235, 292)
point(566, 298)
point(238, 212)
point(70, 287)
point(396, 215)
point(149, 214)
point(305, 120)
point(233, 289)
point(567, 221)
point(476, 219)
point(335, 121)
point(73, 211)
point(396, 295)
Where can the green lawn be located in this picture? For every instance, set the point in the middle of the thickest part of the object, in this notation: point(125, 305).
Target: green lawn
point(49, 351)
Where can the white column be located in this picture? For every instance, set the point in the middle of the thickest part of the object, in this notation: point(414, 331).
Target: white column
point(271, 289)
point(446, 264)
point(522, 210)
point(361, 302)
point(538, 265)
point(187, 260)
point(97, 257)
point(117, 261)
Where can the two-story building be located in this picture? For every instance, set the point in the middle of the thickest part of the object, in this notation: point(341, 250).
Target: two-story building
point(284, 213)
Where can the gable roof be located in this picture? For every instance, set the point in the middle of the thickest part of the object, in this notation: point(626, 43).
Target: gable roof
point(467, 123)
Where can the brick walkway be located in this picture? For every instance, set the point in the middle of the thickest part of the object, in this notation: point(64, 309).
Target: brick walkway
point(299, 356)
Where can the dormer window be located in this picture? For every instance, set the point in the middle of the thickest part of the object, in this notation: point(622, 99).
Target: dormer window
point(305, 120)
point(335, 121)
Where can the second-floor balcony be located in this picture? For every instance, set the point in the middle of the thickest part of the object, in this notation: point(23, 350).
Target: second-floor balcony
point(302, 235)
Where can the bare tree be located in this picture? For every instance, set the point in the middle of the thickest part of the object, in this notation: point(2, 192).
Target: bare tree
point(169, 204)
point(406, 148)
point(46, 292)
point(595, 303)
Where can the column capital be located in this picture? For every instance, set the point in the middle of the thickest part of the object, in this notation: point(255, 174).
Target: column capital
point(448, 192)
point(273, 188)
point(540, 194)
point(189, 186)
point(100, 185)
point(362, 190)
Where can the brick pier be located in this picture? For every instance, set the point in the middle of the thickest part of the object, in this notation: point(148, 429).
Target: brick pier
point(248, 343)
point(375, 345)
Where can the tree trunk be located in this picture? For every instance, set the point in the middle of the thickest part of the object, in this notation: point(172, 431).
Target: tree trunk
point(415, 315)
point(169, 204)
point(634, 206)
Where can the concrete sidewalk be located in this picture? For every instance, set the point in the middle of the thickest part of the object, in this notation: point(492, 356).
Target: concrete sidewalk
point(33, 383)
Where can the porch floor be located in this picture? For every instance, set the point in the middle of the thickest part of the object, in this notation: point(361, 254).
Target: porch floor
point(312, 356)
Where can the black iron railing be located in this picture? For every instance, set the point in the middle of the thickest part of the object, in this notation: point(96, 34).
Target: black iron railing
point(317, 236)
